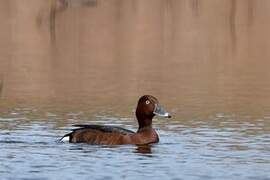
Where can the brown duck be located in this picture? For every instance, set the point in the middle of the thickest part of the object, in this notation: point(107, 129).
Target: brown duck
point(148, 107)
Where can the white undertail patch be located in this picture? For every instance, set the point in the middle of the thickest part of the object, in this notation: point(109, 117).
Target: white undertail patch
point(65, 139)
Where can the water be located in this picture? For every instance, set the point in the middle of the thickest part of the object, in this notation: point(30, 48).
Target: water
point(223, 146)
point(65, 62)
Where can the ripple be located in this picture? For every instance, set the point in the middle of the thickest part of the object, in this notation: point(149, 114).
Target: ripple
point(223, 150)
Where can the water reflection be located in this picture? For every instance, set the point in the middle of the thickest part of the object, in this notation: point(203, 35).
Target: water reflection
point(144, 149)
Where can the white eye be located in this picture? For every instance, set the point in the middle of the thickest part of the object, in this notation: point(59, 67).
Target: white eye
point(147, 102)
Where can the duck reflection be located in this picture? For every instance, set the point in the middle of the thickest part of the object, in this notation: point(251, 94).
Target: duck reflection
point(144, 149)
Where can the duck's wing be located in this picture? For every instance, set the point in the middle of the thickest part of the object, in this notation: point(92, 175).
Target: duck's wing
point(96, 134)
point(102, 128)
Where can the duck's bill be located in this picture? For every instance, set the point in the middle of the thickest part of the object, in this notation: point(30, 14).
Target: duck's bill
point(159, 111)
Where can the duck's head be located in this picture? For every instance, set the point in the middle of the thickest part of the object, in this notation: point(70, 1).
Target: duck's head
point(148, 107)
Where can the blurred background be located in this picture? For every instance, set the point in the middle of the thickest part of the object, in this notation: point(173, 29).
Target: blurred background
point(196, 56)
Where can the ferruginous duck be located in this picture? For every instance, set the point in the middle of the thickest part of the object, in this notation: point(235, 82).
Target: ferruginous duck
point(148, 107)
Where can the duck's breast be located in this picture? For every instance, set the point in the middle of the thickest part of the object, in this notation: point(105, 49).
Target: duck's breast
point(145, 137)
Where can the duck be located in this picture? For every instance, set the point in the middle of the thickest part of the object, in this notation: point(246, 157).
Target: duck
point(148, 107)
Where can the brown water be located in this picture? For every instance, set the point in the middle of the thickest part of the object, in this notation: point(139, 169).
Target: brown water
point(84, 61)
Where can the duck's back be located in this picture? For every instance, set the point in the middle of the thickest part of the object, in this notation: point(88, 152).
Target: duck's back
point(97, 134)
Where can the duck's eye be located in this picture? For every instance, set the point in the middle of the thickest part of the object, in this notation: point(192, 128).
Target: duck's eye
point(147, 102)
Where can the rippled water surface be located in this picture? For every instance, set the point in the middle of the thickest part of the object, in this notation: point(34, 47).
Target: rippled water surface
point(223, 146)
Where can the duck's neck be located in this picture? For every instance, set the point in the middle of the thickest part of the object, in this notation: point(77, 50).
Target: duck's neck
point(145, 124)
point(145, 129)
